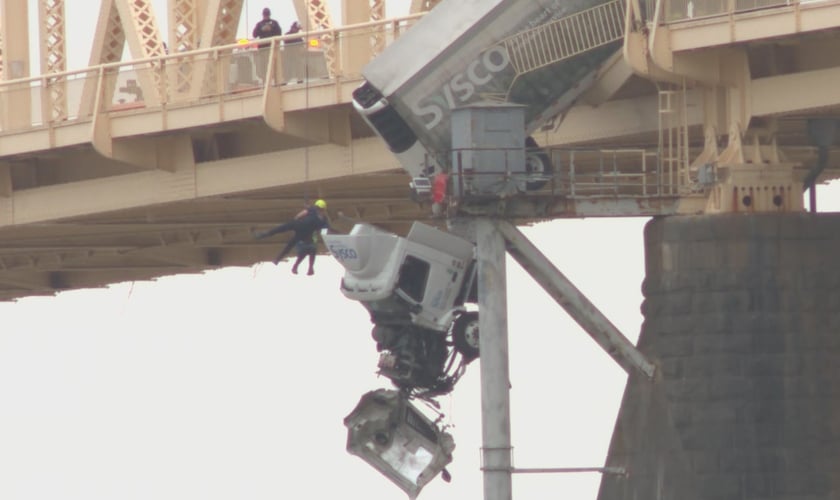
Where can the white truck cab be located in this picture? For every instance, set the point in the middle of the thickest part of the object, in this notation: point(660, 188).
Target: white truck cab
point(425, 276)
point(420, 291)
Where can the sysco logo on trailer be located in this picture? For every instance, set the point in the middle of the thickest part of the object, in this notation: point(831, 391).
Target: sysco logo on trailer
point(461, 88)
point(343, 253)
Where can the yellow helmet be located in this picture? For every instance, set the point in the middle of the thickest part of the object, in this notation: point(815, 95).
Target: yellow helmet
point(321, 204)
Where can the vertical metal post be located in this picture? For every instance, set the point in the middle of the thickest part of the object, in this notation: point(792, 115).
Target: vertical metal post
point(493, 345)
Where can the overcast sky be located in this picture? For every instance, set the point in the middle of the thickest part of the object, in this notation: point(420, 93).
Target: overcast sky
point(233, 384)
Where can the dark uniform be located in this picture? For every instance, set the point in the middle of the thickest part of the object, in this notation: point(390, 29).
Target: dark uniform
point(265, 28)
point(305, 227)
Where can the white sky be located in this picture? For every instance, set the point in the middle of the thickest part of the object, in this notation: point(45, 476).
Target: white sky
point(234, 384)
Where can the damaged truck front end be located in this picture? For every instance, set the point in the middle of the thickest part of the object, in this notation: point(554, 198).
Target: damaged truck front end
point(420, 293)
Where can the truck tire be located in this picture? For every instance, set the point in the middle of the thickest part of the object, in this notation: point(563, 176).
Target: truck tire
point(465, 335)
point(538, 163)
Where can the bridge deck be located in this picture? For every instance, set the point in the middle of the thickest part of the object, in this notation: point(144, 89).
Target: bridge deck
point(165, 166)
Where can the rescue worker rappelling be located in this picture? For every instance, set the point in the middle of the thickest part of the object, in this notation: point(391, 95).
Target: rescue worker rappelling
point(306, 225)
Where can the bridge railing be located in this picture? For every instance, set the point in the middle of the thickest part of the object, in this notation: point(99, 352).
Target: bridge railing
point(681, 10)
point(610, 172)
point(570, 173)
point(200, 76)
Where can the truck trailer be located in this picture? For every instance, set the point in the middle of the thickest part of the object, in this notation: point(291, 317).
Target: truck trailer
point(541, 54)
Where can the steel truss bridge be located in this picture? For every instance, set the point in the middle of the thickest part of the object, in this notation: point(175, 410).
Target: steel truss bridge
point(165, 163)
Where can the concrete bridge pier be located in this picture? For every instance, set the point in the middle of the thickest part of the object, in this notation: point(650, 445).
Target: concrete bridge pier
point(742, 315)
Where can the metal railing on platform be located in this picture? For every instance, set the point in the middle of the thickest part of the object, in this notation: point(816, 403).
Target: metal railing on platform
point(199, 76)
point(681, 10)
point(568, 173)
point(608, 172)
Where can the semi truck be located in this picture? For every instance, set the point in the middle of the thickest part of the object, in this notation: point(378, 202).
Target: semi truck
point(538, 54)
point(420, 291)
point(541, 54)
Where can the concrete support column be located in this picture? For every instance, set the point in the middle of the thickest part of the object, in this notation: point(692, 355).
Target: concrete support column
point(742, 314)
point(493, 344)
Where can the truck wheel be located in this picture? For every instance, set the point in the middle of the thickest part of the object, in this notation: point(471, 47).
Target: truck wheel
point(537, 163)
point(465, 335)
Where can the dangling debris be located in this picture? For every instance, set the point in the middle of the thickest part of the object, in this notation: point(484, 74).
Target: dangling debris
point(387, 431)
point(420, 291)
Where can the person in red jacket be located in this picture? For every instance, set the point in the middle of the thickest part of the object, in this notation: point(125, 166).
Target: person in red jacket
point(440, 185)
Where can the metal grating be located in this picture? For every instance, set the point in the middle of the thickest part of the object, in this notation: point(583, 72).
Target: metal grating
point(567, 37)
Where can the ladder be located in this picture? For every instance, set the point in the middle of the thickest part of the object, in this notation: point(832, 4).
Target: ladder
point(673, 141)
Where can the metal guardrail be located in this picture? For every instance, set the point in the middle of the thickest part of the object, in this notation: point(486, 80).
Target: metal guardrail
point(609, 172)
point(574, 173)
point(189, 78)
point(566, 37)
point(681, 10)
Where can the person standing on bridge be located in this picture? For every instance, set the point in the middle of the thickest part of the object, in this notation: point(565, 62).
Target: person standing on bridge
point(294, 28)
point(294, 56)
point(305, 226)
point(265, 28)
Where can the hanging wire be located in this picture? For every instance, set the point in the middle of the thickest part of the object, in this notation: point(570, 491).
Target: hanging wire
point(305, 54)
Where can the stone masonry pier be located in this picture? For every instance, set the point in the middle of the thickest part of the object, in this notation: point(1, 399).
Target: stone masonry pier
point(742, 317)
